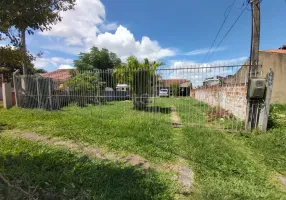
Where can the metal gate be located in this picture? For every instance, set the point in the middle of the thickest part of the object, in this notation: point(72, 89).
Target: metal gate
point(209, 96)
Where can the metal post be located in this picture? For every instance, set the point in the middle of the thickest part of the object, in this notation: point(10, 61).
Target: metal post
point(50, 95)
point(38, 92)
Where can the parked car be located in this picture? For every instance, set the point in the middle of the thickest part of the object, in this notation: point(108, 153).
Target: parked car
point(164, 93)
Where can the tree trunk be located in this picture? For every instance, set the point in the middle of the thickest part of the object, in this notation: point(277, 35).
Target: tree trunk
point(24, 49)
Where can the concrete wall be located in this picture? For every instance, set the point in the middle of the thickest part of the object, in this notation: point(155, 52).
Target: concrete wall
point(276, 62)
point(268, 60)
point(231, 98)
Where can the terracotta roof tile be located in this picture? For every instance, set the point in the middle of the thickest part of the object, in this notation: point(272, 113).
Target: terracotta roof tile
point(168, 82)
point(283, 51)
point(58, 75)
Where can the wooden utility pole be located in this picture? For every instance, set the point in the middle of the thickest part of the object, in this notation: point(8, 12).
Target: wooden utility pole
point(255, 38)
point(253, 105)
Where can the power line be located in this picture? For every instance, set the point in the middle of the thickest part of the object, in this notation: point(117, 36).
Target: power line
point(225, 18)
point(230, 28)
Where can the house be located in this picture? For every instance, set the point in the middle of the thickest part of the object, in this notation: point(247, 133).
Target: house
point(184, 86)
point(274, 60)
point(216, 80)
point(59, 75)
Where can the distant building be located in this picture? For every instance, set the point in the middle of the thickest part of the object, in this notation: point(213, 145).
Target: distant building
point(216, 80)
point(184, 85)
point(122, 87)
point(59, 75)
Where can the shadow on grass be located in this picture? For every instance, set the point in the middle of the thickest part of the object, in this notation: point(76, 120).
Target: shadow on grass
point(61, 175)
point(2, 126)
point(158, 109)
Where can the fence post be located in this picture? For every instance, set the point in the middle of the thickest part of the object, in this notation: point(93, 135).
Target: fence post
point(7, 95)
point(15, 87)
point(38, 92)
point(264, 115)
point(50, 95)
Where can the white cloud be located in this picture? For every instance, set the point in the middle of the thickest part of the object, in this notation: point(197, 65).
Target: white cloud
point(123, 43)
point(204, 51)
point(52, 63)
point(85, 26)
point(79, 23)
point(66, 67)
point(108, 27)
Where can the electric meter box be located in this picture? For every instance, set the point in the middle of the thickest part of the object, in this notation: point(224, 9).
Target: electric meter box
point(256, 88)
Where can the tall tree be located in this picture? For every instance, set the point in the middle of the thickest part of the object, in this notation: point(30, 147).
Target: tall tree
point(20, 16)
point(97, 59)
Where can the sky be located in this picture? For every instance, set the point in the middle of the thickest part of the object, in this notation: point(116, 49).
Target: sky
point(179, 33)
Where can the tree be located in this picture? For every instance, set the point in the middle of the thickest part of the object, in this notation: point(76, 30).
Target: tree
point(86, 86)
point(11, 60)
point(140, 77)
point(98, 60)
point(39, 71)
point(20, 16)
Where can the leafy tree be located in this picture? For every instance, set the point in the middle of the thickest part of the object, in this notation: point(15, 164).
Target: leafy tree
point(87, 86)
point(39, 71)
point(98, 60)
point(20, 16)
point(11, 60)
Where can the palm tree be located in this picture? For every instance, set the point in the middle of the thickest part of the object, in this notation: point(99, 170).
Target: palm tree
point(140, 76)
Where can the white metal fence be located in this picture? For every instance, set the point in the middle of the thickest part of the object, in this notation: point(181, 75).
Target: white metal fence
point(210, 96)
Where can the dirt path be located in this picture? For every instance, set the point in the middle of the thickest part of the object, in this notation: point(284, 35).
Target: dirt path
point(175, 118)
point(182, 173)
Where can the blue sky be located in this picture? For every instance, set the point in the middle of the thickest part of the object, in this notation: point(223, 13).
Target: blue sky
point(176, 32)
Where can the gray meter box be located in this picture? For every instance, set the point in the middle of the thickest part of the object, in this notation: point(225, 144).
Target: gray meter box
point(256, 88)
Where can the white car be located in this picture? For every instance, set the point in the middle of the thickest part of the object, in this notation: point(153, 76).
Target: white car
point(164, 93)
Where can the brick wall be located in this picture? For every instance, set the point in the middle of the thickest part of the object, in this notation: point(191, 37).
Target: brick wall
point(231, 98)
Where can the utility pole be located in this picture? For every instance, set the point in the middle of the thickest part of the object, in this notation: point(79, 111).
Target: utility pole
point(255, 38)
point(253, 105)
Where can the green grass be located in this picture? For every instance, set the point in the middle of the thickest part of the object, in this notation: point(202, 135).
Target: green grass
point(114, 126)
point(226, 166)
point(57, 174)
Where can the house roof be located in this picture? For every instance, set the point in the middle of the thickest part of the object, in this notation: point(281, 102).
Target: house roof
point(282, 51)
point(168, 82)
point(58, 75)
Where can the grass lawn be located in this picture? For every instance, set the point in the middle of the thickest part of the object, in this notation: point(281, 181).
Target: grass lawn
point(57, 174)
point(226, 166)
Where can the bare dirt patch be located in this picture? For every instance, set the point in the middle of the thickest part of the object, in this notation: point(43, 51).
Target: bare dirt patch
point(176, 120)
point(183, 174)
point(33, 136)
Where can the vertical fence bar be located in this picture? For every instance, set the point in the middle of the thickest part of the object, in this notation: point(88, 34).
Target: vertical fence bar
point(50, 95)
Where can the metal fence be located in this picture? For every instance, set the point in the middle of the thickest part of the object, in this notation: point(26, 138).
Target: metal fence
point(210, 96)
